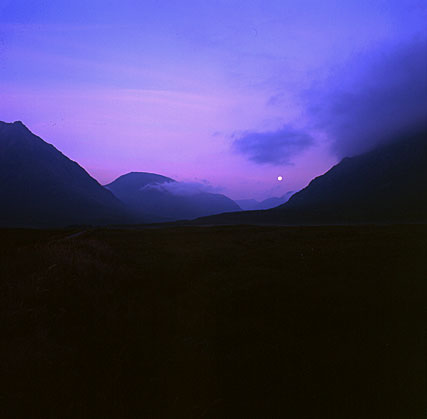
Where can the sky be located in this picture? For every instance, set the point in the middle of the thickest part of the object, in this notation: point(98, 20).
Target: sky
point(228, 94)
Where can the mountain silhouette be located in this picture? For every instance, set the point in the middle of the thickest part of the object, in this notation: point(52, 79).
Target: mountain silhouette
point(156, 198)
point(247, 204)
point(385, 185)
point(41, 187)
point(253, 204)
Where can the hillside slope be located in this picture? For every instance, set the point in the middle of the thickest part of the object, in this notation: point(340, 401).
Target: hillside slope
point(42, 187)
point(385, 185)
point(155, 198)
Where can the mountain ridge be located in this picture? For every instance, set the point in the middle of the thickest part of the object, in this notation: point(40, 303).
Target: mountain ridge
point(274, 201)
point(384, 185)
point(43, 187)
point(40, 187)
point(158, 198)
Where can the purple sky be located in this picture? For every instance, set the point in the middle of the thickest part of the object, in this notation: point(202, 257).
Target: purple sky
point(223, 92)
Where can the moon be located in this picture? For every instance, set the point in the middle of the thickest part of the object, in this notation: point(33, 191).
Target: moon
point(279, 178)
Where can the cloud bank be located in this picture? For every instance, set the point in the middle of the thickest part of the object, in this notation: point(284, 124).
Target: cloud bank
point(375, 97)
point(182, 188)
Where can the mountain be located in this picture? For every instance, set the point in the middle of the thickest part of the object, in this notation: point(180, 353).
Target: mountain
point(156, 198)
point(275, 201)
point(253, 204)
point(247, 204)
point(41, 187)
point(385, 185)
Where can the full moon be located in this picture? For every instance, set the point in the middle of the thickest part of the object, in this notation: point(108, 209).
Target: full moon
point(279, 178)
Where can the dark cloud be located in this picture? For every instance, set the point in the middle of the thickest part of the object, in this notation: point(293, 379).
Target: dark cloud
point(375, 98)
point(274, 147)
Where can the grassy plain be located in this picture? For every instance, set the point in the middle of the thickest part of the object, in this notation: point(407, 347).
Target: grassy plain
point(214, 322)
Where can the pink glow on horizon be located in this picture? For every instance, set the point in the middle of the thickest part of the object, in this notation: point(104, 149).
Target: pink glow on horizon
point(162, 86)
point(179, 134)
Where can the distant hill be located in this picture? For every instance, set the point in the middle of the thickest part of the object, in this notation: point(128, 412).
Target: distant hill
point(386, 185)
point(155, 198)
point(41, 187)
point(247, 204)
point(253, 204)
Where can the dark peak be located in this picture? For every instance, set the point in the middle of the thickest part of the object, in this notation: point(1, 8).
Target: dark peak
point(136, 180)
point(15, 133)
point(145, 176)
point(13, 125)
point(142, 174)
point(19, 125)
point(16, 123)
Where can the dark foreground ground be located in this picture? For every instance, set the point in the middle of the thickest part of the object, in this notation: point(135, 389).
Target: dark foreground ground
point(214, 322)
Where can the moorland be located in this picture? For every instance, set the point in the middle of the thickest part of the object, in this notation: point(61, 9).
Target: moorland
point(210, 322)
